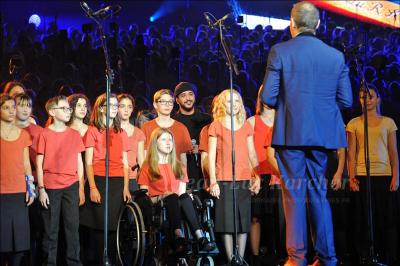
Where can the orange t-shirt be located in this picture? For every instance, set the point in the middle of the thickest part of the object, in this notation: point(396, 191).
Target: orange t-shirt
point(183, 142)
point(223, 164)
point(262, 140)
point(12, 174)
point(34, 131)
point(203, 139)
point(118, 143)
point(167, 182)
point(136, 137)
point(60, 162)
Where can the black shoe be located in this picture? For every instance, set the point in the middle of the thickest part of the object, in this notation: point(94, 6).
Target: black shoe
point(205, 245)
point(181, 246)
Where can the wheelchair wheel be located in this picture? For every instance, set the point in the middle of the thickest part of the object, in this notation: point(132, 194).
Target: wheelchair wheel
point(131, 236)
point(205, 261)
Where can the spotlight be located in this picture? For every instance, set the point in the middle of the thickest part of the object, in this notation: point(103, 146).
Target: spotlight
point(34, 19)
point(152, 19)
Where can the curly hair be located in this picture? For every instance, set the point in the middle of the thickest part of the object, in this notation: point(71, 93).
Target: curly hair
point(222, 103)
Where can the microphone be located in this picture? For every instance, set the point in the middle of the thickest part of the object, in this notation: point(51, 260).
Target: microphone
point(86, 8)
point(209, 22)
point(194, 142)
point(106, 10)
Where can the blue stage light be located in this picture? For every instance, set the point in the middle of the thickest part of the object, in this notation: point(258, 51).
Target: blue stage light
point(151, 19)
point(34, 19)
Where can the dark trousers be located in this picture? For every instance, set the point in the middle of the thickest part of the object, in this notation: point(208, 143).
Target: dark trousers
point(304, 188)
point(64, 200)
point(175, 204)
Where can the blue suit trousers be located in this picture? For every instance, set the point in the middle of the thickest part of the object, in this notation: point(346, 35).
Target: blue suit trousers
point(304, 188)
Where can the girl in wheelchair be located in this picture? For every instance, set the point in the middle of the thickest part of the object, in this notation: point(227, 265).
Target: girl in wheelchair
point(162, 175)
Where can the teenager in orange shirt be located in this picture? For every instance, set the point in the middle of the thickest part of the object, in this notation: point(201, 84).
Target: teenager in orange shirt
point(165, 178)
point(163, 102)
point(136, 138)
point(60, 181)
point(80, 116)
point(220, 169)
point(14, 186)
point(23, 120)
point(264, 203)
point(92, 214)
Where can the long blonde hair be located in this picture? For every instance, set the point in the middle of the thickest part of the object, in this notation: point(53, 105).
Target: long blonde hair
point(152, 156)
point(220, 111)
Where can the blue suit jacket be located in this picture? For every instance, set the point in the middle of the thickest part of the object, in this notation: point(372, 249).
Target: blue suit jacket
point(306, 81)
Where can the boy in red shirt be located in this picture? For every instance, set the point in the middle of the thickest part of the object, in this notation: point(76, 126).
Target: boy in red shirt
point(60, 181)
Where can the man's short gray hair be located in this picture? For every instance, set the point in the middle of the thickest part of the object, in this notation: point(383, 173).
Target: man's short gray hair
point(306, 16)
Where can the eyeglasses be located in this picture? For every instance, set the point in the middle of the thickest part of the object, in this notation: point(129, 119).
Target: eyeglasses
point(112, 106)
point(162, 102)
point(65, 109)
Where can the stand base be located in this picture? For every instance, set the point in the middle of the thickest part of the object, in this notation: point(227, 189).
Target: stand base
point(237, 261)
point(107, 262)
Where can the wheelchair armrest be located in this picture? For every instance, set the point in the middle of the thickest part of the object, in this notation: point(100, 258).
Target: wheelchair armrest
point(140, 193)
point(209, 203)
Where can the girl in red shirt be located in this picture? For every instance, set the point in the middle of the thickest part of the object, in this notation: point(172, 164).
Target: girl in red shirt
point(164, 178)
point(14, 197)
point(80, 116)
point(220, 169)
point(135, 135)
point(92, 214)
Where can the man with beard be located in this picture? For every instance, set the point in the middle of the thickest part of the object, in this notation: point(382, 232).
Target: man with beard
point(194, 120)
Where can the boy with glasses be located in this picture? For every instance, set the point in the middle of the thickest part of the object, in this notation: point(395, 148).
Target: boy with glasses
point(60, 181)
point(163, 102)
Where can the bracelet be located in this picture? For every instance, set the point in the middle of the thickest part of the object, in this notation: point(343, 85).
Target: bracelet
point(93, 187)
point(40, 187)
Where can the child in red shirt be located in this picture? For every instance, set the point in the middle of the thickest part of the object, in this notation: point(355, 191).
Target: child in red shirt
point(164, 178)
point(14, 167)
point(92, 214)
point(80, 116)
point(135, 135)
point(60, 181)
point(220, 169)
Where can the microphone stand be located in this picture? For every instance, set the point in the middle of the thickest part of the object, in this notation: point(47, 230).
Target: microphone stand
point(372, 258)
point(109, 80)
point(236, 260)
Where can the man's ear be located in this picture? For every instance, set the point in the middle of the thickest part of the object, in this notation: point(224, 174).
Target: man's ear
point(293, 23)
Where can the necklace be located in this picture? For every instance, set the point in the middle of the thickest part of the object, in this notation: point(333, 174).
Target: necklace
point(6, 135)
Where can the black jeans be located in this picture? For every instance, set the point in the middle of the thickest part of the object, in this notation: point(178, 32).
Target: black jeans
point(64, 200)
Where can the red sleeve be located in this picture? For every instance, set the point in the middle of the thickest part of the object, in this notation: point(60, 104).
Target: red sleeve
point(249, 129)
point(212, 130)
point(140, 134)
point(41, 143)
point(203, 139)
point(27, 140)
point(79, 142)
point(143, 178)
point(125, 141)
point(89, 139)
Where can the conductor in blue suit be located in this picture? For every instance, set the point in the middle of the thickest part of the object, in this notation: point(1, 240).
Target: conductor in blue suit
point(307, 82)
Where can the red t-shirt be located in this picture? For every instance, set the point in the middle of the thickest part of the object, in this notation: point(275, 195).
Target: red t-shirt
point(12, 173)
point(203, 139)
point(60, 162)
point(262, 140)
point(167, 182)
point(223, 164)
point(136, 137)
point(118, 143)
point(183, 142)
point(34, 131)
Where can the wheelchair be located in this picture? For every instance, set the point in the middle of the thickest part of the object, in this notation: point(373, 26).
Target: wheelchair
point(138, 244)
